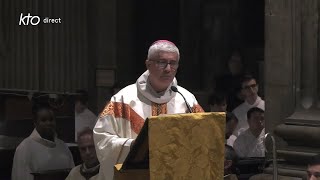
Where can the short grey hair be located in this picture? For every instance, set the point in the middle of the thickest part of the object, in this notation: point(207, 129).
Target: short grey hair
point(83, 132)
point(162, 45)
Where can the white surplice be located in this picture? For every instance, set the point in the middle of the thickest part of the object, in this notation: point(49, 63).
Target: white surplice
point(76, 175)
point(35, 154)
point(247, 145)
point(241, 113)
point(123, 117)
point(83, 120)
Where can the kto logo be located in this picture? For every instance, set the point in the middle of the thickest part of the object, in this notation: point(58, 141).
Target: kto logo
point(25, 20)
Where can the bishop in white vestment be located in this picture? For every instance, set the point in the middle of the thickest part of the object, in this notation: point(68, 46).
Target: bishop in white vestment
point(123, 117)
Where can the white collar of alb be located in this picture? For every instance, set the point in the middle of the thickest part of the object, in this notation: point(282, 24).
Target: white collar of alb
point(147, 91)
point(36, 136)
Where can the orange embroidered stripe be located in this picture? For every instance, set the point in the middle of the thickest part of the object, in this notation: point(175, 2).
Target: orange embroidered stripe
point(158, 109)
point(122, 110)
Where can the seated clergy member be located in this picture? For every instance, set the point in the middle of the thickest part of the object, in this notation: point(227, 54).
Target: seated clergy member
point(151, 95)
point(89, 170)
point(42, 150)
point(249, 90)
point(313, 170)
point(250, 143)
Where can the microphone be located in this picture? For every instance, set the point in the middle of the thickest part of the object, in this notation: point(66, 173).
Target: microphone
point(175, 89)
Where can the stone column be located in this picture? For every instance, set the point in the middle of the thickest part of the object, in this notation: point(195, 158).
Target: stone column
point(291, 57)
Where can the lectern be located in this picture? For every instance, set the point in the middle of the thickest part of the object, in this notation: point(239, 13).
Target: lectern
point(178, 146)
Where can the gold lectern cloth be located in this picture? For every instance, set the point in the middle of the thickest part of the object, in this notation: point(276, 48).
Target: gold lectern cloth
point(187, 146)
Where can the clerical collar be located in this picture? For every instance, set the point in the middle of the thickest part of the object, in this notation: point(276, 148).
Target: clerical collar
point(87, 173)
point(144, 87)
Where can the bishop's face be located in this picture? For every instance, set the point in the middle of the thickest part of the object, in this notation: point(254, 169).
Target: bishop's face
point(163, 68)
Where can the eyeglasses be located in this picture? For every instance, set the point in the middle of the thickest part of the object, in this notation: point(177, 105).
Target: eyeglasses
point(315, 174)
point(250, 86)
point(163, 64)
